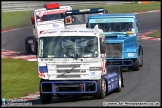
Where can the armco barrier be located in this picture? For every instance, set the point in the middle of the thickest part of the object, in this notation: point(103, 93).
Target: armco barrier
point(8, 6)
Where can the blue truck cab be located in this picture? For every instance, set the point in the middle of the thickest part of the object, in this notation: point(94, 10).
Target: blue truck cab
point(121, 39)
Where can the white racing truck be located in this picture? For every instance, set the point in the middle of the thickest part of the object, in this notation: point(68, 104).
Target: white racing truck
point(71, 62)
point(49, 17)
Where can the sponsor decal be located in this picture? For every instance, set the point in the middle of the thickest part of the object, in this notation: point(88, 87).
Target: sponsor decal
point(40, 14)
point(41, 74)
point(55, 25)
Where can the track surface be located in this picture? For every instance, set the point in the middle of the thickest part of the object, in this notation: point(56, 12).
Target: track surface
point(15, 40)
point(143, 85)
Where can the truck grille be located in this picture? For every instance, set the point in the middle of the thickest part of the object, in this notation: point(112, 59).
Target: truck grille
point(70, 66)
point(68, 76)
point(114, 50)
point(71, 71)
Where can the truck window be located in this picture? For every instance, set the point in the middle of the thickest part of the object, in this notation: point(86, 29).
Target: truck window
point(51, 17)
point(80, 18)
point(71, 46)
point(113, 25)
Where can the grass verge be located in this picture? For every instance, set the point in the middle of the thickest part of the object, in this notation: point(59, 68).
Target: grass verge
point(22, 19)
point(130, 8)
point(156, 34)
point(11, 20)
point(19, 78)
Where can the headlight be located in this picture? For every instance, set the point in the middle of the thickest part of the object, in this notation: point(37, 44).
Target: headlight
point(131, 54)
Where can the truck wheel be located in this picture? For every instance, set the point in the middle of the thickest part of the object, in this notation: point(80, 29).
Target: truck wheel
point(101, 88)
point(27, 46)
point(120, 81)
point(45, 98)
point(136, 65)
point(141, 57)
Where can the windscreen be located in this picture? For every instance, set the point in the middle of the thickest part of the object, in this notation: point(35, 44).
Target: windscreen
point(113, 24)
point(79, 18)
point(68, 47)
point(50, 15)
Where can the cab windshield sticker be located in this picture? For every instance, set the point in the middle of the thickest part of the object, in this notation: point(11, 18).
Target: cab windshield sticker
point(55, 11)
point(111, 20)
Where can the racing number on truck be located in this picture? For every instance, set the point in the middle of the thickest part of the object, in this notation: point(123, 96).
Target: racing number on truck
point(68, 20)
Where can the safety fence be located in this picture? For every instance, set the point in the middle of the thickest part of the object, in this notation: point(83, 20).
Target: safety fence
point(8, 6)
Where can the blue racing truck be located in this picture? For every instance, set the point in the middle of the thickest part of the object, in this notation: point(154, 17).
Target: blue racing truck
point(121, 39)
point(79, 18)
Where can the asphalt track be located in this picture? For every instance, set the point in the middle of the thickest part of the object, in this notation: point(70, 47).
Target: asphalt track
point(139, 86)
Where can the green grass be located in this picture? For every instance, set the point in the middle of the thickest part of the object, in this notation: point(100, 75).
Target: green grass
point(19, 78)
point(12, 20)
point(22, 19)
point(129, 8)
point(156, 34)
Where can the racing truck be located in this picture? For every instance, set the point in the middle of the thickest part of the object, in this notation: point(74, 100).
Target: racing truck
point(71, 62)
point(51, 16)
point(79, 18)
point(121, 39)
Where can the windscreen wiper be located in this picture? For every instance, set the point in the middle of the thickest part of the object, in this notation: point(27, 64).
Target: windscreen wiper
point(68, 71)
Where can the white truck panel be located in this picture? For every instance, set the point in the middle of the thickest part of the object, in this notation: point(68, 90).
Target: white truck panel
point(77, 26)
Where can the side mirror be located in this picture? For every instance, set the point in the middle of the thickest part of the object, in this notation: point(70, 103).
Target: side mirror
point(102, 47)
point(32, 20)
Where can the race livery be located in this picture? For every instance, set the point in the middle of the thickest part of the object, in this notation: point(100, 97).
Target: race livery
point(121, 39)
point(71, 62)
point(51, 16)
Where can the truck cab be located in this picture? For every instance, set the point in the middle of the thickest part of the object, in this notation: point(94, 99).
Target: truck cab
point(51, 16)
point(121, 39)
point(78, 18)
point(71, 62)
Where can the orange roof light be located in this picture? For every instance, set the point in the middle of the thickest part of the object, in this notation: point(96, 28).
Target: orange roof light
point(52, 6)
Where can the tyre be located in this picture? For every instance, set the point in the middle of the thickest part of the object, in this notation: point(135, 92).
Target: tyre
point(45, 98)
point(101, 88)
point(136, 65)
point(139, 61)
point(27, 46)
point(120, 81)
point(141, 57)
